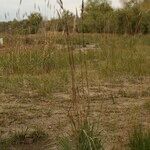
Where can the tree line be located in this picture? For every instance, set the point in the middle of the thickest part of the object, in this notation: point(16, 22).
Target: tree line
point(97, 16)
point(30, 25)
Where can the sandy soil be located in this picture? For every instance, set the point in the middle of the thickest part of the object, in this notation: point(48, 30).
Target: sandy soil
point(116, 106)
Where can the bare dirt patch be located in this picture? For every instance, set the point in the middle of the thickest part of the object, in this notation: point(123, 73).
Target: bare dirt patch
point(117, 107)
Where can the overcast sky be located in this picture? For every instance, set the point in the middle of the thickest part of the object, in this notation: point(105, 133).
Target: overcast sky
point(9, 8)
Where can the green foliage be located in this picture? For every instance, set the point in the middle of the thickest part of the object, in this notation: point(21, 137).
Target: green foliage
point(34, 21)
point(98, 16)
point(86, 139)
point(95, 16)
point(33, 62)
point(145, 23)
point(26, 26)
point(24, 136)
point(65, 144)
point(140, 139)
point(69, 17)
point(48, 71)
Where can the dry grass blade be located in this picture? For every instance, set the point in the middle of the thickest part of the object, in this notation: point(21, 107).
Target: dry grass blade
point(60, 2)
point(20, 2)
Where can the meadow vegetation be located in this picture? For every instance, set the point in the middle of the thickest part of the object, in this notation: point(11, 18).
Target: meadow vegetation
point(86, 82)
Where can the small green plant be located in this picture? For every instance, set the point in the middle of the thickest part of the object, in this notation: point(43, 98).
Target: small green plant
point(19, 137)
point(65, 144)
point(89, 139)
point(38, 135)
point(86, 139)
point(25, 136)
point(139, 139)
point(4, 144)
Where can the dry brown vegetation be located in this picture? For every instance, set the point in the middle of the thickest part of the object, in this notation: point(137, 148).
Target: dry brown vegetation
point(35, 86)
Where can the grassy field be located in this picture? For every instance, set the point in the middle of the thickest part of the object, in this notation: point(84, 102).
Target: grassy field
point(112, 78)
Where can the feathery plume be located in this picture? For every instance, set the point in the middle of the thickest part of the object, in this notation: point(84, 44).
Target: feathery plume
point(20, 2)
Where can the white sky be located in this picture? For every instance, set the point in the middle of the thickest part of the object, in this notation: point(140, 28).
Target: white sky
point(10, 7)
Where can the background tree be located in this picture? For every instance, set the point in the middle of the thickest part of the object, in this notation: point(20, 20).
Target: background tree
point(34, 21)
point(99, 17)
point(95, 15)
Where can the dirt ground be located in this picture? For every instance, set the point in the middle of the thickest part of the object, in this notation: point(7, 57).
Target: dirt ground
point(119, 106)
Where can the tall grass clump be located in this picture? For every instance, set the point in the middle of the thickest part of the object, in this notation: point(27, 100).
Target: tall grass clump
point(83, 136)
point(139, 139)
point(87, 138)
point(33, 62)
point(22, 137)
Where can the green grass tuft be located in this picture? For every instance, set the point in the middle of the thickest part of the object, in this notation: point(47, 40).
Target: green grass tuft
point(24, 136)
point(86, 139)
point(140, 139)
